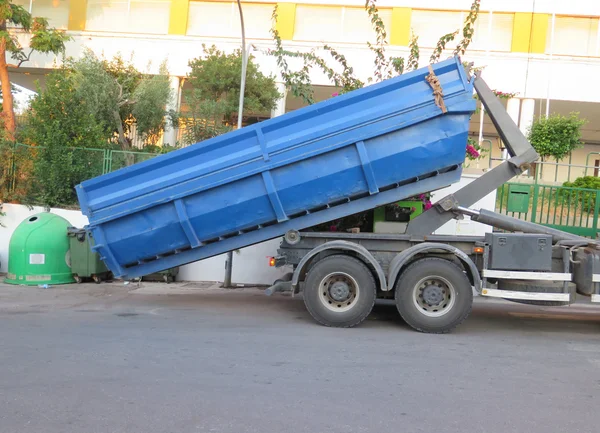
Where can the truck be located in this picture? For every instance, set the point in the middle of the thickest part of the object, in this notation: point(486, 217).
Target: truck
point(348, 155)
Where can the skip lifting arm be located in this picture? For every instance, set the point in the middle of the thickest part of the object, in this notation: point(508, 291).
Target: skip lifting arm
point(522, 155)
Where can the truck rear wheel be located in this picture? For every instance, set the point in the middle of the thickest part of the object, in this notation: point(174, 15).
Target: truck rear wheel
point(433, 295)
point(340, 291)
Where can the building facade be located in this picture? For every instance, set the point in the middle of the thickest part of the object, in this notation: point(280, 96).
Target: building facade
point(545, 52)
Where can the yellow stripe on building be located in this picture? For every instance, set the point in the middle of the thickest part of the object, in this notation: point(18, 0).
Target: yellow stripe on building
point(178, 20)
point(539, 34)
point(286, 20)
point(77, 15)
point(400, 31)
point(529, 33)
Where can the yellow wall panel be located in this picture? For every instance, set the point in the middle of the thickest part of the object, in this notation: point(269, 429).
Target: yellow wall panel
point(178, 19)
point(539, 33)
point(529, 32)
point(77, 15)
point(286, 20)
point(400, 31)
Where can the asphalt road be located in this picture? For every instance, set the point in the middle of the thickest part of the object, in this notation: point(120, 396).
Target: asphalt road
point(188, 358)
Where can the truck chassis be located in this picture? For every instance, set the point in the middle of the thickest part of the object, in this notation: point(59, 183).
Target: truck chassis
point(432, 278)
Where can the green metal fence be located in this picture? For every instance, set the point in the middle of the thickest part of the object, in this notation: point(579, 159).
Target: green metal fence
point(18, 165)
point(574, 210)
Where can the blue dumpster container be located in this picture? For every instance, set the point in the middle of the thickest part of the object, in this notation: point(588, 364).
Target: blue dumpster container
point(351, 153)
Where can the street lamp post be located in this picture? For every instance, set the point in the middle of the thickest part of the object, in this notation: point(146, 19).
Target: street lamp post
point(245, 50)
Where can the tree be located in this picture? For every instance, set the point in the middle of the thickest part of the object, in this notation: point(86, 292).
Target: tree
point(87, 106)
point(213, 100)
point(59, 124)
point(298, 82)
point(44, 39)
point(556, 136)
point(118, 95)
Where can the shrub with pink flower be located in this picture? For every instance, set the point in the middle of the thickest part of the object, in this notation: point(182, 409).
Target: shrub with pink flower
point(472, 151)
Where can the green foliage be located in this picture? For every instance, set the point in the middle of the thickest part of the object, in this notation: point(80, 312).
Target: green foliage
point(44, 39)
point(151, 96)
point(59, 120)
point(119, 95)
point(586, 199)
point(557, 135)
point(74, 119)
point(468, 30)
point(213, 100)
point(298, 82)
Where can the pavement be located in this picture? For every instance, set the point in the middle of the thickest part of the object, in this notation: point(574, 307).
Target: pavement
point(191, 357)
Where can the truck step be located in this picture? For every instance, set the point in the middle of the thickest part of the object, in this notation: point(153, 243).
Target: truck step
point(523, 275)
point(529, 296)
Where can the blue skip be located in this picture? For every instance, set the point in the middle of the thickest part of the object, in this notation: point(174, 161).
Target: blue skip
point(342, 156)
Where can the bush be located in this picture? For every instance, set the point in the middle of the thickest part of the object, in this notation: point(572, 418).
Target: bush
point(556, 136)
point(587, 199)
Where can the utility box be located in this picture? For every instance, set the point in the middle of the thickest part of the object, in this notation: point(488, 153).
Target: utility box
point(519, 251)
point(518, 198)
point(84, 262)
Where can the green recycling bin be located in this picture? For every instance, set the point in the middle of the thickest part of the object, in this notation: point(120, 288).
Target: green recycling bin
point(39, 253)
point(84, 262)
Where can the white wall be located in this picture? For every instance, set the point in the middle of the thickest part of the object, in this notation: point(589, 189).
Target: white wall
point(250, 266)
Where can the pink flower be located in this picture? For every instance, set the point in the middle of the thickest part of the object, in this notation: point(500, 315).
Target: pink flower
point(412, 209)
point(335, 94)
point(428, 205)
point(472, 151)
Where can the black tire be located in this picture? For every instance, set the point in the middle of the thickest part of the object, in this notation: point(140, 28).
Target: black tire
point(78, 279)
point(536, 286)
point(339, 270)
point(454, 296)
point(97, 279)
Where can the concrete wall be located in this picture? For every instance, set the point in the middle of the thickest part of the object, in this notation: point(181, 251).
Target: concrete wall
point(250, 265)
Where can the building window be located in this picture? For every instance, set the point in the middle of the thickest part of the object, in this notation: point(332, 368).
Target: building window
point(497, 38)
point(493, 32)
point(573, 36)
point(429, 26)
point(128, 16)
point(222, 19)
point(337, 24)
point(55, 11)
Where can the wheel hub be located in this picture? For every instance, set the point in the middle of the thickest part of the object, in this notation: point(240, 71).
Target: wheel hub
point(339, 291)
point(433, 295)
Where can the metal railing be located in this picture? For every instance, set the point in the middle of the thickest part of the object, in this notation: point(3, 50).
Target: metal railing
point(574, 210)
point(20, 165)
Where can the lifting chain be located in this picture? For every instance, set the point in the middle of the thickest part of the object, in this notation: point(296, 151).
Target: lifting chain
point(438, 93)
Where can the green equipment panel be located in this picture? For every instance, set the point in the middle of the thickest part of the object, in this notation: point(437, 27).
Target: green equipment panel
point(518, 198)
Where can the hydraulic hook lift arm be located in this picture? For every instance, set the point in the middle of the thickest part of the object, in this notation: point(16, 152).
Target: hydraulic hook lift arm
point(522, 155)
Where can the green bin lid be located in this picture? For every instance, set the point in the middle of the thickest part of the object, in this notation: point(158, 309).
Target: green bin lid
point(39, 252)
